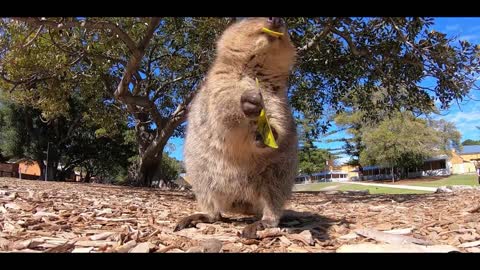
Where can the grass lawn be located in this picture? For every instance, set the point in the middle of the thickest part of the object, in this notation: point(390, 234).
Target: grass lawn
point(469, 180)
point(314, 187)
point(346, 187)
point(380, 190)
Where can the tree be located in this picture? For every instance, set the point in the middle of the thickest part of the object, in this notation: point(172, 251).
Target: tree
point(352, 122)
point(100, 155)
point(313, 160)
point(150, 67)
point(449, 135)
point(404, 141)
point(146, 67)
point(171, 168)
point(72, 141)
point(471, 142)
point(352, 59)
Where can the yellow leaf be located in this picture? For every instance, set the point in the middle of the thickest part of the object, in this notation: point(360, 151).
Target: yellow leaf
point(263, 127)
point(265, 130)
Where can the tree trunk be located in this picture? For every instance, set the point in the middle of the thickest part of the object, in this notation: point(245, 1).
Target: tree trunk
point(148, 168)
point(393, 175)
point(88, 177)
point(42, 169)
point(52, 171)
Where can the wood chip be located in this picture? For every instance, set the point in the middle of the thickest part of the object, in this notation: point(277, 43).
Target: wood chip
point(400, 231)
point(166, 249)
point(212, 245)
point(4, 243)
point(21, 244)
point(349, 236)
point(41, 214)
point(474, 210)
point(115, 219)
point(94, 243)
point(395, 248)
point(12, 206)
point(126, 247)
point(101, 236)
point(233, 247)
point(141, 248)
point(296, 249)
point(270, 232)
point(470, 244)
point(62, 248)
point(82, 250)
point(285, 240)
point(390, 238)
point(305, 237)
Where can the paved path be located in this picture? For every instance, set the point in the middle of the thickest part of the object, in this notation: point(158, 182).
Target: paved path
point(433, 189)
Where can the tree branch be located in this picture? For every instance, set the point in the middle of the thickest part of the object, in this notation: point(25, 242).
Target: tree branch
point(85, 24)
point(84, 53)
point(134, 62)
point(71, 129)
point(32, 79)
point(165, 84)
point(34, 37)
point(314, 39)
point(351, 44)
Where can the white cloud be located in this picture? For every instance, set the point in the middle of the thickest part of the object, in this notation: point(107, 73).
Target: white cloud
point(466, 122)
point(342, 160)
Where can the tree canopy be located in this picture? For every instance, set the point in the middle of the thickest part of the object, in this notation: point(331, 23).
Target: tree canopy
point(471, 142)
point(405, 141)
point(147, 69)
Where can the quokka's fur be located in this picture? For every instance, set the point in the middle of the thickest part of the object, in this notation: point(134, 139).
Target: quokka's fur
point(228, 169)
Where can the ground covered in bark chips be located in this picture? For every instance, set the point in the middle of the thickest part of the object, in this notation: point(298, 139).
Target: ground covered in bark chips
point(37, 216)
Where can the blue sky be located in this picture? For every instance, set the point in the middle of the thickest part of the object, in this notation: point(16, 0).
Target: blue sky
point(466, 116)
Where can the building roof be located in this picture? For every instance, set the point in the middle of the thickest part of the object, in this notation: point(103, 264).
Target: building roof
point(470, 149)
point(19, 160)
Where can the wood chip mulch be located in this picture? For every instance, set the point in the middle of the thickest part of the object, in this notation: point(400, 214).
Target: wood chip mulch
point(37, 216)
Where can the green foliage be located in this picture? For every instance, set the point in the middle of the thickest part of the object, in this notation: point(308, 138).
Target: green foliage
point(72, 141)
point(377, 64)
point(352, 59)
point(372, 65)
point(471, 142)
point(449, 135)
point(406, 141)
point(313, 160)
point(171, 168)
point(352, 122)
